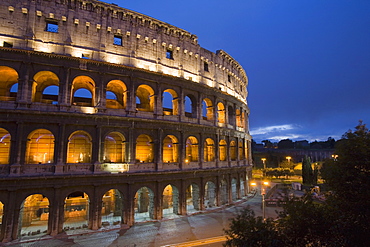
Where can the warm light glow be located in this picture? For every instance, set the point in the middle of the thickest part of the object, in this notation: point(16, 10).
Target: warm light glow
point(265, 183)
point(263, 159)
point(115, 167)
point(186, 161)
point(88, 110)
point(288, 158)
point(253, 184)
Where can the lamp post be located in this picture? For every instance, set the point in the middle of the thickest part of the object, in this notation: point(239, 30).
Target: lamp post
point(288, 158)
point(264, 163)
point(263, 193)
point(334, 156)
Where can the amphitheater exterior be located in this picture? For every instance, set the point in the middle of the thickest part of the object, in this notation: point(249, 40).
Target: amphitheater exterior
point(109, 117)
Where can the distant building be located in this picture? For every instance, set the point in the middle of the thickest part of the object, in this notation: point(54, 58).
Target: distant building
point(109, 117)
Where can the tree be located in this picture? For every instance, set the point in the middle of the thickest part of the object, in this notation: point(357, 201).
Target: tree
point(307, 173)
point(348, 177)
point(246, 230)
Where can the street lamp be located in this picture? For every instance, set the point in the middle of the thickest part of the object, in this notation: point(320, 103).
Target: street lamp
point(263, 193)
point(289, 158)
point(264, 163)
point(334, 156)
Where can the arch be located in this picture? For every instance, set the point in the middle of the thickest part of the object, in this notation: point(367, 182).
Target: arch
point(191, 149)
point(192, 198)
point(241, 150)
point(41, 81)
point(8, 78)
point(207, 109)
point(221, 116)
point(33, 216)
point(230, 115)
point(209, 150)
point(144, 204)
point(242, 187)
point(170, 102)
point(233, 150)
point(238, 118)
point(144, 149)
point(224, 196)
point(222, 147)
point(76, 211)
point(114, 148)
point(5, 141)
point(79, 147)
point(190, 106)
point(40, 147)
point(116, 94)
point(145, 97)
point(112, 208)
point(170, 149)
point(85, 86)
point(234, 192)
point(170, 201)
point(209, 195)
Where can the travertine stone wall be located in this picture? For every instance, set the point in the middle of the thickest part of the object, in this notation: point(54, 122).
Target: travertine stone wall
point(87, 29)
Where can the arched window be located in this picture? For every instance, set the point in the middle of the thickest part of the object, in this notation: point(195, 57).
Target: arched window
point(4, 146)
point(209, 150)
point(190, 106)
point(145, 100)
point(191, 149)
point(8, 78)
point(221, 116)
point(144, 149)
point(223, 150)
point(233, 150)
point(76, 211)
point(231, 116)
point(116, 94)
point(241, 151)
point(238, 118)
point(41, 81)
point(170, 102)
point(207, 109)
point(114, 148)
point(170, 149)
point(83, 91)
point(40, 147)
point(79, 148)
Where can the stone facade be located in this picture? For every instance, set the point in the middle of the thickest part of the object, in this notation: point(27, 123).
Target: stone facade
point(94, 97)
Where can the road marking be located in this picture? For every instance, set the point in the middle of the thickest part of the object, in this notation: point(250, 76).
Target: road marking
point(198, 242)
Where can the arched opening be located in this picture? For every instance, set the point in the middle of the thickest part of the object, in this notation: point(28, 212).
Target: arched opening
point(231, 116)
point(207, 109)
point(50, 95)
point(221, 116)
point(238, 118)
point(222, 146)
point(144, 149)
point(170, 102)
point(210, 195)
point(5, 140)
point(144, 204)
point(191, 149)
point(116, 94)
point(40, 147)
point(224, 197)
point(112, 209)
point(241, 150)
point(83, 91)
point(33, 217)
point(8, 78)
point(242, 188)
point(145, 99)
point(41, 81)
point(76, 212)
point(170, 201)
point(233, 150)
point(192, 198)
point(234, 192)
point(209, 150)
point(190, 106)
point(170, 149)
point(79, 147)
point(246, 153)
point(114, 148)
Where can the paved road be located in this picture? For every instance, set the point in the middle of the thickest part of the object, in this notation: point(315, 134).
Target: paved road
point(160, 233)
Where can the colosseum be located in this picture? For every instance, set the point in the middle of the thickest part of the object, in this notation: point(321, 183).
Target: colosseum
point(111, 117)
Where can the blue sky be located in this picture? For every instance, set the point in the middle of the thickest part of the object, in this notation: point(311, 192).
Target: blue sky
point(308, 61)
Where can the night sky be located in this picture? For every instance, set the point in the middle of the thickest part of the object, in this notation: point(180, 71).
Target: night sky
point(308, 61)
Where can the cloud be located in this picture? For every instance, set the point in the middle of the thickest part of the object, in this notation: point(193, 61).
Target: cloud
point(271, 129)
